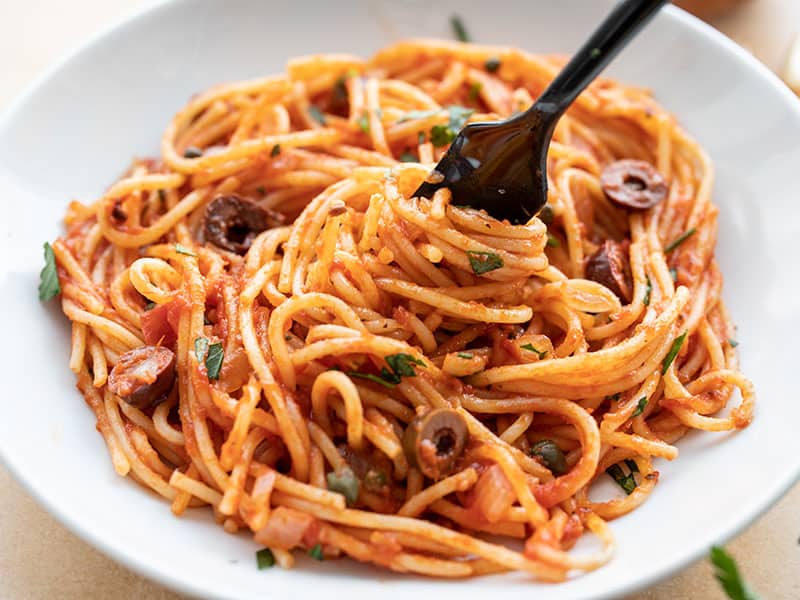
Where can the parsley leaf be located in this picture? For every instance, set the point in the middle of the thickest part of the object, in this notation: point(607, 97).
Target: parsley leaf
point(733, 343)
point(680, 239)
point(315, 113)
point(316, 552)
point(530, 347)
point(459, 31)
point(413, 115)
point(407, 157)
point(149, 306)
point(373, 378)
point(181, 249)
point(214, 360)
point(459, 115)
point(401, 364)
point(276, 149)
point(475, 91)
point(641, 405)
point(626, 482)
point(483, 262)
point(49, 287)
point(363, 122)
point(552, 241)
point(727, 573)
point(441, 135)
point(673, 273)
point(346, 483)
point(466, 355)
point(265, 559)
point(673, 352)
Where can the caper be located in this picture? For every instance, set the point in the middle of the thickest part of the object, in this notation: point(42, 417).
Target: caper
point(550, 456)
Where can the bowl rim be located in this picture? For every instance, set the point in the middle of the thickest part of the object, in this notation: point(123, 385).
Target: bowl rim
point(167, 578)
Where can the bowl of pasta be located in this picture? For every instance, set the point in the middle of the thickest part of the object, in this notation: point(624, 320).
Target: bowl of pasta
point(293, 373)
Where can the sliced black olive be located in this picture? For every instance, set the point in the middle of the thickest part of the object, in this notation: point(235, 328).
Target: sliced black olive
point(633, 184)
point(609, 266)
point(550, 456)
point(143, 377)
point(233, 222)
point(434, 442)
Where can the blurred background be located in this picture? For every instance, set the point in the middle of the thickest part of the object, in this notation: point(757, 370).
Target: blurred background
point(39, 558)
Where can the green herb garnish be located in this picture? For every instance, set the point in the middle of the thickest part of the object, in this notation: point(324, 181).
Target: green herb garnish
point(679, 240)
point(316, 114)
point(441, 135)
point(475, 91)
point(407, 157)
point(550, 455)
point(345, 483)
point(214, 360)
point(192, 152)
point(49, 287)
point(181, 249)
point(483, 262)
point(530, 347)
point(413, 115)
point(363, 122)
point(640, 406)
point(632, 465)
point(673, 352)
point(648, 289)
point(673, 273)
point(492, 64)
point(265, 559)
point(316, 552)
point(401, 364)
point(626, 482)
point(552, 241)
point(373, 378)
point(466, 355)
point(421, 137)
point(276, 150)
point(149, 306)
point(459, 31)
point(727, 573)
point(733, 343)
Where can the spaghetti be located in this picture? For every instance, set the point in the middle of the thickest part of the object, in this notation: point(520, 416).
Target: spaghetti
point(266, 322)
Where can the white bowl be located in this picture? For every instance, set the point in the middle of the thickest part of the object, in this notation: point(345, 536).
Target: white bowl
point(74, 131)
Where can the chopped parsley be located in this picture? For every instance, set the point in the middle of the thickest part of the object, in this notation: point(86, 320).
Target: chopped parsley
point(373, 378)
point(475, 91)
point(363, 122)
point(680, 239)
point(626, 482)
point(276, 150)
point(421, 137)
point(483, 262)
point(407, 157)
point(733, 343)
point(648, 289)
point(192, 152)
point(149, 306)
point(640, 407)
point(49, 287)
point(315, 113)
point(181, 249)
point(552, 241)
point(316, 552)
point(530, 348)
point(442, 135)
point(673, 273)
point(459, 31)
point(492, 64)
point(401, 364)
point(727, 573)
point(413, 115)
point(345, 483)
point(214, 360)
point(265, 559)
point(466, 355)
point(673, 352)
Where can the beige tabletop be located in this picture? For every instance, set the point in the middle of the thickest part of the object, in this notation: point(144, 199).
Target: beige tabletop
point(39, 558)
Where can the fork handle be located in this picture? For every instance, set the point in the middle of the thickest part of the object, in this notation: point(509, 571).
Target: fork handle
point(613, 34)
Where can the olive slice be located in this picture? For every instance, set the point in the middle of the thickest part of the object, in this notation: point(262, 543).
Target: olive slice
point(634, 184)
point(434, 442)
point(233, 222)
point(551, 456)
point(609, 266)
point(143, 376)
